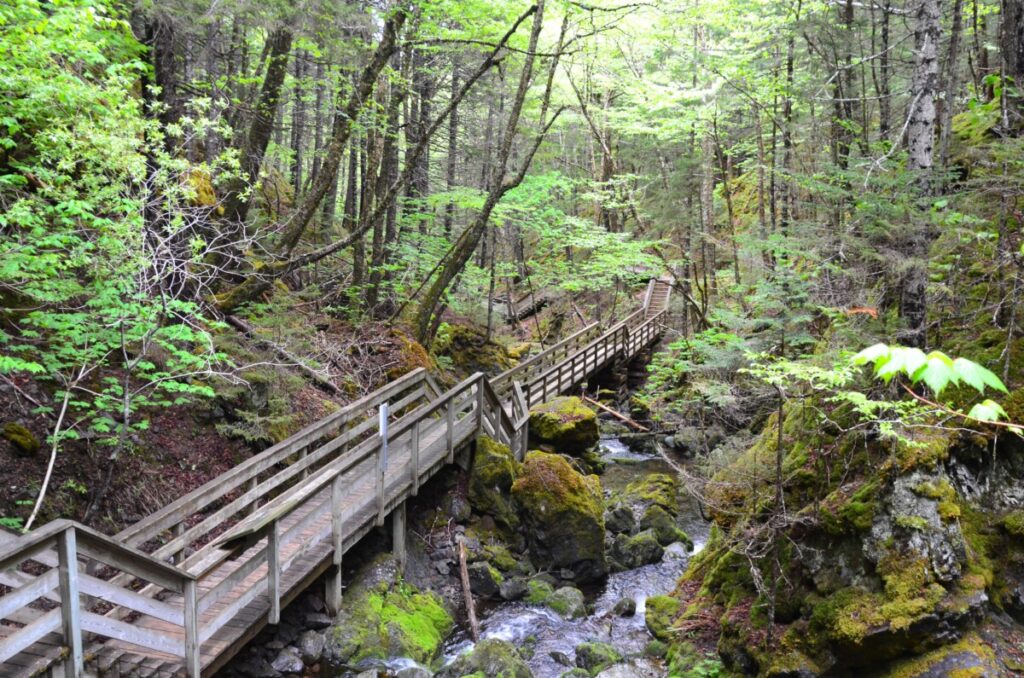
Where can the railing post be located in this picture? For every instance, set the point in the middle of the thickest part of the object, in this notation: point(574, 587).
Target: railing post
point(398, 535)
point(179, 529)
point(382, 461)
point(414, 453)
point(193, 663)
point(70, 615)
point(274, 573)
point(338, 537)
point(449, 434)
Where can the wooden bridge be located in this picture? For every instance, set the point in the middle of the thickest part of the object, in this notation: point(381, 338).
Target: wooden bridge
point(183, 590)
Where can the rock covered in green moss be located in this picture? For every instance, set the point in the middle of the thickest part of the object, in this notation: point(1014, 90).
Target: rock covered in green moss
point(21, 439)
point(596, 656)
point(565, 424)
point(384, 616)
point(484, 580)
point(491, 658)
point(661, 613)
point(490, 481)
point(470, 350)
point(567, 601)
point(564, 516)
point(664, 527)
point(627, 553)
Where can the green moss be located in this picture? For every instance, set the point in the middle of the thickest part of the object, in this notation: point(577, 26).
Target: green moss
point(538, 592)
point(970, 645)
point(659, 489)
point(664, 526)
point(662, 612)
point(1013, 523)
point(21, 438)
point(564, 423)
point(912, 523)
point(380, 620)
point(490, 481)
point(855, 514)
point(910, 593)
point(928, 449)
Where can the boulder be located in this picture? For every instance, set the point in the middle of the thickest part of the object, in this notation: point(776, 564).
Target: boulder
point(663, 526)
point(566, 601)
point(311, 647)
point(661, 613)
point(595, 657)
point(490, 481)
point(625, 607)
point(512, 589)
point(565, 424)
point(641, 549)
point(383, 616)
point(288, 661)
point(563, 513)
point(492, 658)
point(619, 518)
point(484, 580)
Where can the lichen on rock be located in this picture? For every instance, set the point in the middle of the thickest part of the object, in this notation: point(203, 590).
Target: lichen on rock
point(491, 476)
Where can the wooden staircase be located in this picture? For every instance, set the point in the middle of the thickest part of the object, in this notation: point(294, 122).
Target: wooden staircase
point(183, 590)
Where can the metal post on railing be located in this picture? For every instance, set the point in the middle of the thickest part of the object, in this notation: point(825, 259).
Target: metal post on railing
point(193, 664)
point(382, 460)
point(67, 549)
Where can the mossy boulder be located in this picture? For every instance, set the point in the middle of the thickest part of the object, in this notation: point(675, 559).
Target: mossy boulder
point(21, 439)
point(568, 601)
point(596, 656)
point(654, 489)
point(641, 549)
point(491, 658)
point(563, 514)
point(564, 424)
point(484, 580)
point(663, 526)
point(490, 481)
point(660, 615)
point(384, 616)
point(470, 351)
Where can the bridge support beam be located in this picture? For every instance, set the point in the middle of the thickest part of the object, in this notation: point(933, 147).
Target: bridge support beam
point(398, 535)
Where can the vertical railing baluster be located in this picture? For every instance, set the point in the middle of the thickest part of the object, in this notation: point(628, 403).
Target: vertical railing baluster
point(449, 434)
point(274, 573)
point(415, 457)
point(70, 612)
point(382, 461)
point(338, 540)
point(190, 622)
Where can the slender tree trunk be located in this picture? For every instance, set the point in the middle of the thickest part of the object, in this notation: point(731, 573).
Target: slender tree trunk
point(952, 84)
point(453, 147)
point(920, 150)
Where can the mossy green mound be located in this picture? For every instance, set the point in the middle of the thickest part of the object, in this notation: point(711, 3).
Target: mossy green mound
point(654, 489)
point(564, 516)
point(596, 656)
point(664, 526)
point(384, 618)
point(660, 615)
point(21, 438)
point(567, 601)
point(490, 481)
point(565, 424)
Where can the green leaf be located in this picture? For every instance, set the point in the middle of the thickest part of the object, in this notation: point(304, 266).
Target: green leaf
point(987, 410)
point(872, 354)
point(977, 376)
point(937, 373)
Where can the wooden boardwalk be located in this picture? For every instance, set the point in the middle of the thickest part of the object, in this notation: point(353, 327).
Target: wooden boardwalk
point(182, 591)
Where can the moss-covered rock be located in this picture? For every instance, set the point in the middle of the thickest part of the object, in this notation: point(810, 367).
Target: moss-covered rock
point(596, 656)
point(563, 514)
point(654, 489)
point(470, 351)
point(658, 520)
point(491, 658)
point(641, 549)
point(661, 613)
point(383, 616)
point(484, 580)
point(565, 424)
point(21, 439)
point(567, 601)
point(490, 481)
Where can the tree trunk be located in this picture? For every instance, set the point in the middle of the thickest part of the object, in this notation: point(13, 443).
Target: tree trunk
point(238, 199)
point(453, 147)
point(920, 149)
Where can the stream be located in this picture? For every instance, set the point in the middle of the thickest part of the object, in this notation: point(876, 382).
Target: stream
point(549, 639)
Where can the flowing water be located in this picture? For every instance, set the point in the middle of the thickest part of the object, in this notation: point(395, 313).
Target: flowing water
point(551, 638)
